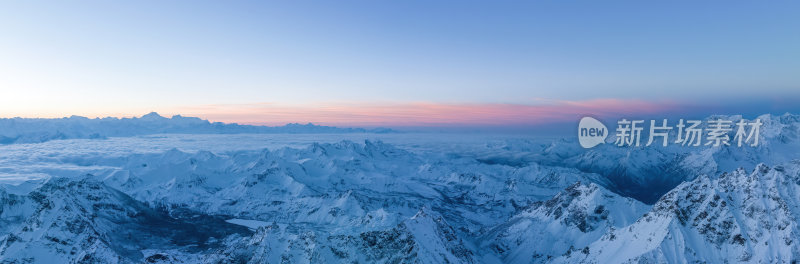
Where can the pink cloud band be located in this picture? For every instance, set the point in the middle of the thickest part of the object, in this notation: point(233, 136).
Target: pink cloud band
point(424, 114)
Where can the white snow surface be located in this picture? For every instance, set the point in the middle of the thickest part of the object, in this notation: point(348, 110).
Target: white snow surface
point(397, 198)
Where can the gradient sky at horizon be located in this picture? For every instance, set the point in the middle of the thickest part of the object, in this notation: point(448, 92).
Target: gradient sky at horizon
point(397, 63)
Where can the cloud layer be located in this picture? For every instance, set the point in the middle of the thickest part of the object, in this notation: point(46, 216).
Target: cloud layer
point(430, 114)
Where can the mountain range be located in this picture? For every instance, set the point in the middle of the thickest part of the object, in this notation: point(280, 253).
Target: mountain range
point(373, 202)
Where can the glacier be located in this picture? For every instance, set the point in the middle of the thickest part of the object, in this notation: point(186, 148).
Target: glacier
point(183, 190)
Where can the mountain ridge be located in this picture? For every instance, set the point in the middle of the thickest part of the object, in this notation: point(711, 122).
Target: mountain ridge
point(37, 130)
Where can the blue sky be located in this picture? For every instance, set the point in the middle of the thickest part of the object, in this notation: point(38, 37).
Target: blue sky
point(101, 58)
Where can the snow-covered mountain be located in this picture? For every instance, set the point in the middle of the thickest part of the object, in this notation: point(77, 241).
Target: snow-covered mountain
point(571, 220)
point(518, 201)
point(351, 201)
point(36, 130)
point(425, 237)
point(741, 216)
point(646, 173)
point(83, 220)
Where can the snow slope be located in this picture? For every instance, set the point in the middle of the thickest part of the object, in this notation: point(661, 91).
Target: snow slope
point(339, 201)
point(571, 220)
point(83, 220)
point(646, 173)
point(742, 216)
point(350, 200)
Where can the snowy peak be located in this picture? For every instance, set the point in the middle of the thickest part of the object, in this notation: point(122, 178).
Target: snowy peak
point(584, 206)
point(647, 173)
point(85, 220)
point(152, 116)
point(36, 130)
point(572, 219)
point(739, 217)
point(435, 239)
point(425, 238)
point(372, 202)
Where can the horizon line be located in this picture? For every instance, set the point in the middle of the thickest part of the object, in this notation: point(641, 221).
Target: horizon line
point(428, 114)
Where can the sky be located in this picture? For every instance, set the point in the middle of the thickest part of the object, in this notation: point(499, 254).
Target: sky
point(398, 63)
